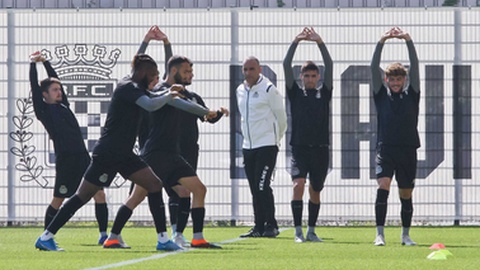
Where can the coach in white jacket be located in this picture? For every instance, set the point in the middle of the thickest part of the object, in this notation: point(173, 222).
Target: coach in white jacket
point(264, 122)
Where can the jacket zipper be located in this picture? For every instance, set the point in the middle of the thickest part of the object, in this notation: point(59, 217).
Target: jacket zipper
point(247, 118)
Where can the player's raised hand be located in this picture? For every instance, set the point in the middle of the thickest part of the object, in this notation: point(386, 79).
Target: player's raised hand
point(400, 34)
point(151, 34)
point(37, 57)
point(160, 35)
point(302, 36)
point(390, 33)
point(312, 35)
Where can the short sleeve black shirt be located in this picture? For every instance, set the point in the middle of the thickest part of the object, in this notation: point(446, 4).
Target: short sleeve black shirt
point(123, 118)
point(310, 111)
point(397, 117)
point(164, 128)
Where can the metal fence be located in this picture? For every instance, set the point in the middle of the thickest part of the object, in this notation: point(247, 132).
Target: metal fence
point(93, 49)
point(207, 4)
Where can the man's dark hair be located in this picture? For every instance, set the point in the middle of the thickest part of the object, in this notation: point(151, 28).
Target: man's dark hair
point(309, 65)
point(177, 60)
point(144, 69)
point(45, 83)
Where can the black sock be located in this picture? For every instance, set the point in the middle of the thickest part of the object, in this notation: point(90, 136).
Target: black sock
point(123, 215)
point(198, 216)
point(157, 208)
point(313, 210)
point(381, 207)
point(101, 213)
point(65, 213)
point(297, 210)
point(406, 212)
point(183, 213)
point(49, 215)
point(173, 209)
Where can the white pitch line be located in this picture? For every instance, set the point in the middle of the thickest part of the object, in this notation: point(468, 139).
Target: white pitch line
point(162, 255)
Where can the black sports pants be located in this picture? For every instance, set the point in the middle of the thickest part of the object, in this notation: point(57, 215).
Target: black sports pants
point(259, 165)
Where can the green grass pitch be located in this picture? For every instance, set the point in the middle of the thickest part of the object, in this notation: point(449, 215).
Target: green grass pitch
point(343, 248)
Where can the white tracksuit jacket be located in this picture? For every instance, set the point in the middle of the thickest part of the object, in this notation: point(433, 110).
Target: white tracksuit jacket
point(263, 116)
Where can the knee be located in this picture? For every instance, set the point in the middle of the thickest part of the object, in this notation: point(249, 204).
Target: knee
point(154, 186)
point(203, 190)
point(384, 183)
point(134, 200)
point(100, 196)
point(298, 184)
point(182, 192)
point(405, 194)
point(57, 202)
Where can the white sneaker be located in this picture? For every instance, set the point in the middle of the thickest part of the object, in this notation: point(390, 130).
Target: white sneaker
point(181, 241)
point(122, 243)
point(379, 240)
point(407, 241)
point(312, 237)
point(299, 238)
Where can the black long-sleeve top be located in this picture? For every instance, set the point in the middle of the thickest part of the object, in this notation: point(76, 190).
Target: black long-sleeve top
point(58, 119)
point(189, 132)
point(397, 113)
point(310, 108)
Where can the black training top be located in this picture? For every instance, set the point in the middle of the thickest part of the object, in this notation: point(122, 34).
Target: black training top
point(397, 116)
point(397, 113)
point(58, 119)
point(189, 132)
point(163, 127)
point(310, 111)
point(124, 115)
point(310, 108)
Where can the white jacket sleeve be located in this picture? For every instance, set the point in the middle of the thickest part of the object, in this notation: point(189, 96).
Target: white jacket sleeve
point(277, 105)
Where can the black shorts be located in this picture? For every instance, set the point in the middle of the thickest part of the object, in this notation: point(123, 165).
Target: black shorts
point(105, 166)
point(401, 161)
point(169, 167)
point(312, 161)
point(69, 170)
point(191, 156)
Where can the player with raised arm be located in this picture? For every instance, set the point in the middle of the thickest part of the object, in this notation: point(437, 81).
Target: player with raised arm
point(160, 148)
point(51, 107)
point(310, 110)
point(113, 152)
point(397, 98)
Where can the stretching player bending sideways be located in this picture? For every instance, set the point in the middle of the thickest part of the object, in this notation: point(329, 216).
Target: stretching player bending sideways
point(52, 108)
point(113, 153)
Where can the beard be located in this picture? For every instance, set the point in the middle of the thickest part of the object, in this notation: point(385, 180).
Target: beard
point(178, 79)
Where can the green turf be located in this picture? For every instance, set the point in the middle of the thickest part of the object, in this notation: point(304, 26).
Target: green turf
point(343, 248)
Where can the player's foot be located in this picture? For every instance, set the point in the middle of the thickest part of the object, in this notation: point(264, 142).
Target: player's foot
point(407, 241)
point(115, 243)
point(312, 237)
point(202, 243)
point(252, 233)
point(180, 240)
point(120, 239)
point(48, 245)
point(379, 240)
point(299, 238)
point(271, 232)
point(102, 239)
point(168, 246)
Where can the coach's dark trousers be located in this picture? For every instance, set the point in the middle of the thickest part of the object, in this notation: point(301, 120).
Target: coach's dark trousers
point(259, 165)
